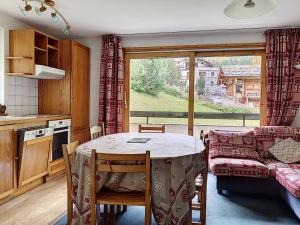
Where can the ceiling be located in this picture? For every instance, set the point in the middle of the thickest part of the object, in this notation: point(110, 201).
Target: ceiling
point(92, 18)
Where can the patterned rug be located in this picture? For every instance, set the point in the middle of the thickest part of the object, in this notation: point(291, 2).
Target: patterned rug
point(238, 209)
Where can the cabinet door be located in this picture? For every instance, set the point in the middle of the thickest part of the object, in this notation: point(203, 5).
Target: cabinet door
point(7, 160)
point(80, 85)
point(34, 159)
point(81, 135)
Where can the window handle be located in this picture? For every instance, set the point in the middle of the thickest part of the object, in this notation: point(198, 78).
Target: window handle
point(125, 100)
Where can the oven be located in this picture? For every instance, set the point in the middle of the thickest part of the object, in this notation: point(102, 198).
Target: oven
point(61, 135)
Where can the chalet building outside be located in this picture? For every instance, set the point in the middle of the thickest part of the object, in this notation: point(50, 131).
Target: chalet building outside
point(233, 84)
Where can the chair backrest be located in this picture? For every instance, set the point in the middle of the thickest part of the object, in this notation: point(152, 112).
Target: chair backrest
point(111, 163)
point(97, 131)
point(68, 151)
point(152, 129)
point(205, 140)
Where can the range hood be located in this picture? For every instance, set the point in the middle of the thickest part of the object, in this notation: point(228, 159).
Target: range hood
point(47, 73)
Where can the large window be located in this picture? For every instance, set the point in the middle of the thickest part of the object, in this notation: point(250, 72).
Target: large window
point(190, 91)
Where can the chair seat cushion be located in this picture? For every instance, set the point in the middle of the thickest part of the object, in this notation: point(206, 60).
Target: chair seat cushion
point(290, 179)
point(273, 164)
point(238, 167)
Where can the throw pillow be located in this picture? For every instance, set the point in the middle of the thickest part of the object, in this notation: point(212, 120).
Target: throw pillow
point(233, 145)
point(286, 150)
point(229, 152)
point(232, 139)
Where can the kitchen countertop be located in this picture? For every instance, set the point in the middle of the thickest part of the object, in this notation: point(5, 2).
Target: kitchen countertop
point(10, 120)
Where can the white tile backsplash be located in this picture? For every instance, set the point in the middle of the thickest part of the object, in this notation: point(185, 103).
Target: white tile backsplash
point(19, 100)
point(32, 92)
point(19, 90)
point(11, 100)
point(19, 81)
point(26, 100)
point(22, 96)
point(11, 90)
point(11, 80)
point(26, 91)
point(26, 82)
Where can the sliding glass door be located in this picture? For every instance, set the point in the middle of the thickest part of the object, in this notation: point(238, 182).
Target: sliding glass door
point(228, 90)
point(158, 91)
point(194, 91)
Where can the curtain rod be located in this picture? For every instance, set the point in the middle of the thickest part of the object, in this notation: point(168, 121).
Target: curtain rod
point(216, 30)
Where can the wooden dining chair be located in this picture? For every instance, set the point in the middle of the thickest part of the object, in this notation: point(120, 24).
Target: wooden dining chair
point(97, 131)
point(152, 129)
point(68, 151)
point(201, 185)
point(109, 163)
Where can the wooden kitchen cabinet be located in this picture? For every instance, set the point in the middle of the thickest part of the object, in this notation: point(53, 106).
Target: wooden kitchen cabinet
point(29, 47)
point(70, 95)
point(8, 140)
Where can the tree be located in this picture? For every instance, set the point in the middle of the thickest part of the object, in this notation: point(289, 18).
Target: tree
point(171, 72)
point(147, 76)
point(200, 85)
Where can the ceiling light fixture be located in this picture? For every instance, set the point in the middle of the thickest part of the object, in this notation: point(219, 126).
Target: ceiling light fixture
point(246, 9)
point(44, 4)
point(297, 67)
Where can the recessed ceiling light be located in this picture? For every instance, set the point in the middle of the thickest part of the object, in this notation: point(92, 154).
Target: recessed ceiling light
point(245, 9)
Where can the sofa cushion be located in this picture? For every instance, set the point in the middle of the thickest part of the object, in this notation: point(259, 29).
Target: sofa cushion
point(286, 150)
point(232, 139)
point(230, 152)
point(238, 167)
point(233, 145)
point(265, 137)
point(295, 166)
point(290, 179)
point(273, 164)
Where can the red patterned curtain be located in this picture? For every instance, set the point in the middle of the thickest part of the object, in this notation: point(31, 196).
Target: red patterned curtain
point(111, 84)
point(283, 86)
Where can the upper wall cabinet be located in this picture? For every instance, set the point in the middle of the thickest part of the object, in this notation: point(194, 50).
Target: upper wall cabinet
point(28, 48)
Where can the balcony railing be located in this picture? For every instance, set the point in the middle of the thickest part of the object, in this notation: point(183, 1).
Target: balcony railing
point(197, 115)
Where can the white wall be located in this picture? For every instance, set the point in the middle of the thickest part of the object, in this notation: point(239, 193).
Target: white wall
point(213, 37)
point(95, 50)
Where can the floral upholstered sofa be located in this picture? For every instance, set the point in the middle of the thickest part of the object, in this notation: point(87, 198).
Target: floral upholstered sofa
point(242, 162)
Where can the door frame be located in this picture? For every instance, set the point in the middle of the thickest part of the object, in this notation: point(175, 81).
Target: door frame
point(128, 55)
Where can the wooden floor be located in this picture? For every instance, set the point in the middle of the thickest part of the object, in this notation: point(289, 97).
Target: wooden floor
point(40, 206)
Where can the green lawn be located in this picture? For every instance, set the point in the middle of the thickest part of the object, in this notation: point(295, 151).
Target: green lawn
point(165, 102)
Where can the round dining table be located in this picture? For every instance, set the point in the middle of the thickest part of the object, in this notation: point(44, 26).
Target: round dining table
point(176, 159)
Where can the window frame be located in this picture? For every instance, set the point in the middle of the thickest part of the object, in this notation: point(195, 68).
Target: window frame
point(156, 52)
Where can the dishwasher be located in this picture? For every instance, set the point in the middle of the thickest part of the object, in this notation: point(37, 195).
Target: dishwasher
point(34, 152)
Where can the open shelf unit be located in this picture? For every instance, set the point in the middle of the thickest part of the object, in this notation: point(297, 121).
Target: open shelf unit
point(28, 48)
